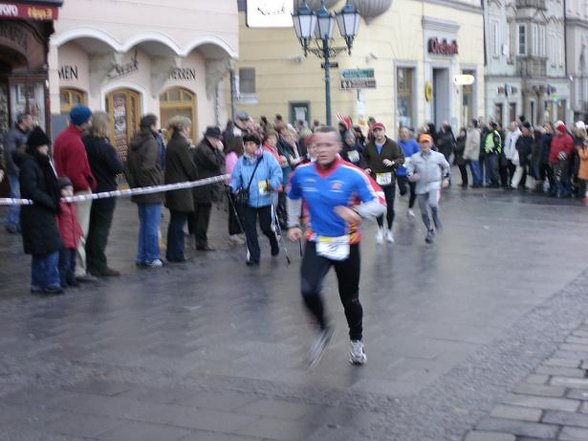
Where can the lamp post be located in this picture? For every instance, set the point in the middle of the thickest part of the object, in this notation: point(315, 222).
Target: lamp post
point(318, 26)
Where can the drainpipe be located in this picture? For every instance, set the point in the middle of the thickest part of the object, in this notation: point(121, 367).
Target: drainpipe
point(484, 30)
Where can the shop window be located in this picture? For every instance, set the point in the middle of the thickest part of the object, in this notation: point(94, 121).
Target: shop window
point(498, 113)
point(522, 40)
point(124, 107)
point(512, 112)
point(405, 96)
point(468, 97)
point(179, 101)
point(29, 97)
point(69, 98)
point(247, 81)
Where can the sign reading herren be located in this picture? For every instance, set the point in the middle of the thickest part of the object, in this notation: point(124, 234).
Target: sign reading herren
point(183, 73)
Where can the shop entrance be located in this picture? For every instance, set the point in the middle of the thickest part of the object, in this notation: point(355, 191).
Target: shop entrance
point(441, 88)
point(124, 107)
point(179, 101)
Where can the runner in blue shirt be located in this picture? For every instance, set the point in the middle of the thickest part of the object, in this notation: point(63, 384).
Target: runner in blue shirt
point(337, 197)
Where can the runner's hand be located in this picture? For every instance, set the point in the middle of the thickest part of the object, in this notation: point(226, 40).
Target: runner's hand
point(388, 163)
point(347, 214)
point(445, 183)
point(414, 177)
point(368, 171)
point(294, 234)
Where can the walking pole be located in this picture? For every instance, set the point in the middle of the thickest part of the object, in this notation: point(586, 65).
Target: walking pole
point(278, 232)
point(232, 204)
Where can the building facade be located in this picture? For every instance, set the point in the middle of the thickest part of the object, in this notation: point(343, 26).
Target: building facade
point(134, 57)
point(525, 61)
point(577, 52)
point(413, 49)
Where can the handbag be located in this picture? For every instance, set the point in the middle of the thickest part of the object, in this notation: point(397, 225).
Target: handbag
point(243, 196)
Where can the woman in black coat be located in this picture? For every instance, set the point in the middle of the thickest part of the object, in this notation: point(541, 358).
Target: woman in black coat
point(459, 160)
point(40, 235)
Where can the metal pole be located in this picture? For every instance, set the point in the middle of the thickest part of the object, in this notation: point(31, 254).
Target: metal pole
point(327, 67)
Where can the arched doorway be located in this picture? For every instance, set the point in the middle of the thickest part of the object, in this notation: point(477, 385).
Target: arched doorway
point(179, 101)
point(69, 97)
point(124, 107)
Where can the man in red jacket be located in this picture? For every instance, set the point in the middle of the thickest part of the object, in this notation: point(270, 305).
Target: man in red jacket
point(71, 160)
point(560, 157)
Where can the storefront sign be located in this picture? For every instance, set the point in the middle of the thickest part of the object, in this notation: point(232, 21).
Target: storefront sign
point(68, 72)
point(358, 79)
point(442, 47)
point(183, 73)
point(28, 12)
point(121, 70)
point(14, 33)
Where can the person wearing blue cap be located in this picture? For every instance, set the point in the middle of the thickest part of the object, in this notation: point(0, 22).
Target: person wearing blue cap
point(71, 160)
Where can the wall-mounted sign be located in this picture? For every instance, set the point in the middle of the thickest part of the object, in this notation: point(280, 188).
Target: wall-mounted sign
point(428, 91)
point(269, 13)
point(121, 70)
point(463, 80)
point(436, 46)
point(183, 73)
point(67, 72)
point(29, 11)
point(358, 79)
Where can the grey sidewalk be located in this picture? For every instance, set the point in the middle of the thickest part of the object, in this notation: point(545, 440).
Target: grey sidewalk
point(214, 350)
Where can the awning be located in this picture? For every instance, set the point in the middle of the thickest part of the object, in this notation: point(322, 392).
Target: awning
point(44, 10)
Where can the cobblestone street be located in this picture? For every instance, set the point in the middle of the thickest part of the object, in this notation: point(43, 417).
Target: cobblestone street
point(481, 336)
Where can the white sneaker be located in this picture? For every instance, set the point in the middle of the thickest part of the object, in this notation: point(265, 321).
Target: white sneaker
point(157, 263)
point(380, 235)
point(357, 354)
point(410, 212)
point(390, 236)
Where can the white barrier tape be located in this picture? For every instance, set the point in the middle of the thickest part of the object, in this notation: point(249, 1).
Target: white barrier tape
point(125, 193)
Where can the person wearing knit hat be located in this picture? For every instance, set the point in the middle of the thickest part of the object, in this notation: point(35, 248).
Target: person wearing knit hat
point(70, 232)
point(40, 236)
point(71, 160)
point(430, 170)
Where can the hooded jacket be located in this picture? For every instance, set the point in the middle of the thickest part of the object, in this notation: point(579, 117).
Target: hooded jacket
point(268, 170)
point(144, 167)
point(472, 145)
point(70, 230)
point(71, 159)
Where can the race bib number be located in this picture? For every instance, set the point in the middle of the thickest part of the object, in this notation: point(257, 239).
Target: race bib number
point(334, 248)
point(262, 186)
point(353, 156)
point(384, 178)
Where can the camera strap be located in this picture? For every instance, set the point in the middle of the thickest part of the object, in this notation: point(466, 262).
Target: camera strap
point(253, 174)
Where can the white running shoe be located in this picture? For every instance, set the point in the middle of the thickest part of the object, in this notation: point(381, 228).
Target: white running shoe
point(357, 354)
point(380, 235)
point(410, 212)
point(157, 263)
point(390, 236)
point(318, 347)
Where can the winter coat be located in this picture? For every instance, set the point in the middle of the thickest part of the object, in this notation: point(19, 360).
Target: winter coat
point(105, 165)
point(561, 143)
point(69, 227)
point(268, 170)
point(179, 167)
point(445, 143)
point(583, 170)
point(38, 182)
point(210, 162)
point(511, 142)
point(374, 160)
point(472, 145)
point(71, 159)
point(524, 146)
point(14, 143)
point(144, 166)
point(459, 150)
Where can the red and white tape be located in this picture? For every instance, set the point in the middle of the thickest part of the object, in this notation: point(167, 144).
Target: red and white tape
point(126, 193)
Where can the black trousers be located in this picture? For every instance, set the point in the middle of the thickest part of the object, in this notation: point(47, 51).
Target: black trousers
point(313, 272)
point(389, 194)
point(101, 215)
point(403, 183)
point(249, 218)
point(198, 224)
point(463, 171)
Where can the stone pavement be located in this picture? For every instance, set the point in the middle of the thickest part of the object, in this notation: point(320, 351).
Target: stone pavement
point(214, 350)
point(551, 403)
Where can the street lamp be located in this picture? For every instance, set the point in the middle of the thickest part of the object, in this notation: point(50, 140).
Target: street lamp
point(319, 24)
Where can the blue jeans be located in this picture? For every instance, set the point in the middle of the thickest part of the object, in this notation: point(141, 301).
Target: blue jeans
point(44, 271)
point(175, 236)
point(12, 220)
point(67, 265)
point(476, 173)
point(148, 243)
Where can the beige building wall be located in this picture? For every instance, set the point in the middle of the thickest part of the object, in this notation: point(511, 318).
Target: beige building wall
point(394, 39)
